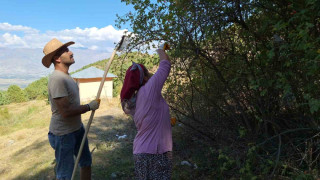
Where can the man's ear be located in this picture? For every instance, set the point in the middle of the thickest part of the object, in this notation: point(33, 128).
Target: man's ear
point(56, 59)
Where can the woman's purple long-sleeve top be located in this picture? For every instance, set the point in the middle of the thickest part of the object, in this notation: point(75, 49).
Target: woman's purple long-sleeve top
point(152, 117)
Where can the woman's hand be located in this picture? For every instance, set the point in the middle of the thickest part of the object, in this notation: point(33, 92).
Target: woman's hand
point(163, 55)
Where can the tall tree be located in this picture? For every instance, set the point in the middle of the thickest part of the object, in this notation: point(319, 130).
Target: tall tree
point(231, 55)
point(252, 65)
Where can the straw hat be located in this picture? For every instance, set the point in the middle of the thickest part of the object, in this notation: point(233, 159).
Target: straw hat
point(50, 49)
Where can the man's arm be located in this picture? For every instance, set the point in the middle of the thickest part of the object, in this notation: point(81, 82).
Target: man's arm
point(66, 110)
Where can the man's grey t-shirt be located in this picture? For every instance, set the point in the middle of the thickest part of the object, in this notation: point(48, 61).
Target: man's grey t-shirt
point(61, 84)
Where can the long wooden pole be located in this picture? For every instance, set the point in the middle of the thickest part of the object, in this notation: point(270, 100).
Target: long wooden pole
point(92, 113)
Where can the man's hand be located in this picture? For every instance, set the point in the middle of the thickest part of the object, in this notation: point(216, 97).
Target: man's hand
point(94, 105)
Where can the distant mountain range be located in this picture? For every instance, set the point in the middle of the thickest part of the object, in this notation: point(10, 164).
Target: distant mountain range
point(23, 66)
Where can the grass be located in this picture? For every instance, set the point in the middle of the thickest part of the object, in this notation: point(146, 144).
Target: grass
point(15, 117)
point(26, 153)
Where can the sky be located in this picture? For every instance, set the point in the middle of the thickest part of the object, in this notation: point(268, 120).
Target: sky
point(32, 23)
point(27, 25)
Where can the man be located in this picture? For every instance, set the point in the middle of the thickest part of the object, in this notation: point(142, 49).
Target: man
point(66, 129)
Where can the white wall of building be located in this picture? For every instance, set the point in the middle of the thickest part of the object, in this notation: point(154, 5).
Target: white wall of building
point(89, 90)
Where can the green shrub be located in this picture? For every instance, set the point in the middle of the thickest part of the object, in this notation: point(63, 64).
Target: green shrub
point(37, 89)
point(15, 94)
point(3, 98)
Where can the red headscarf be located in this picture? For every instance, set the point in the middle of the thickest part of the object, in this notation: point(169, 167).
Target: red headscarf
point(133, 80)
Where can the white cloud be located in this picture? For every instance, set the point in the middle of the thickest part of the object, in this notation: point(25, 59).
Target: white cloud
point(93, 47)
point(10, 40)
point(88, 38)
point(9, 27)
point(103, 34)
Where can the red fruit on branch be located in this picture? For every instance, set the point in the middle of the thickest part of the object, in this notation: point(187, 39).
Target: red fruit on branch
point(293, 12)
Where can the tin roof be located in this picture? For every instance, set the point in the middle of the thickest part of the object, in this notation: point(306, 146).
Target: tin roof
point(91, 72)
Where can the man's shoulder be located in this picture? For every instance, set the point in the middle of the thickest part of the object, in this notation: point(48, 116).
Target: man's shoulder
point(57, 75)
point(56, 78)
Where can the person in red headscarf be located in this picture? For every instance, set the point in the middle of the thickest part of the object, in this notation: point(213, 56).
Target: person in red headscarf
point(141, 98)
point(136, 76)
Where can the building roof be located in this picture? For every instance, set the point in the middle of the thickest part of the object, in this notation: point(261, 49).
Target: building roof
point(91, 72)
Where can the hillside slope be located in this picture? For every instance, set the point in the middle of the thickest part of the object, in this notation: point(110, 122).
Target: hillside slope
point(26, 153)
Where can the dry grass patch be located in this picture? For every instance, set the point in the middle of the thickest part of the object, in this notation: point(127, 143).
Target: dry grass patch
point(26, 153)
point(33, 114)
